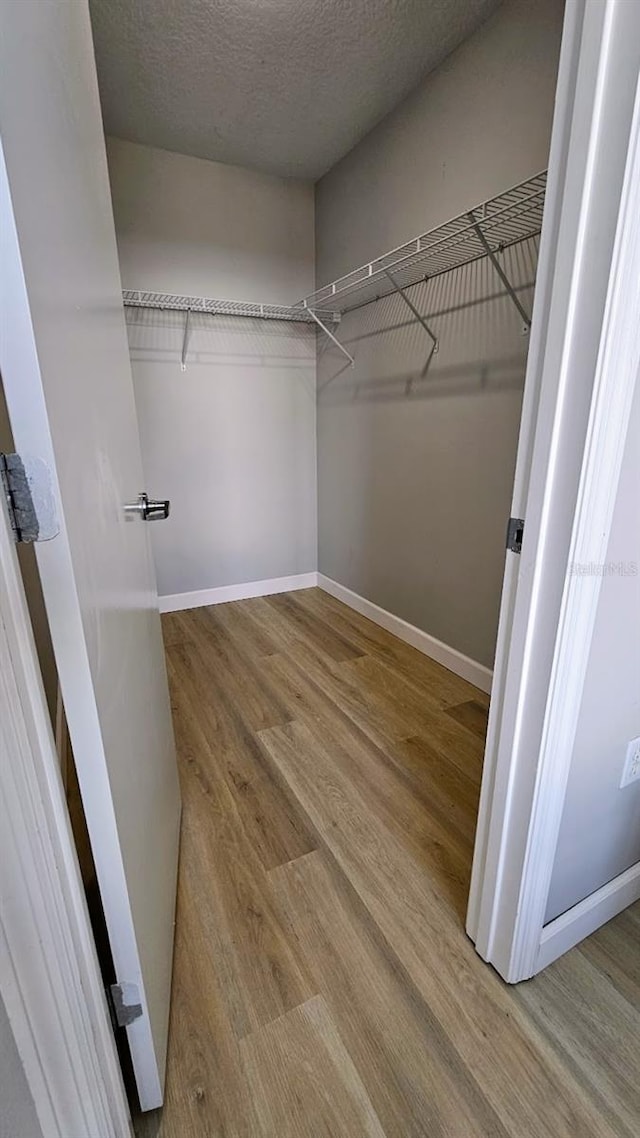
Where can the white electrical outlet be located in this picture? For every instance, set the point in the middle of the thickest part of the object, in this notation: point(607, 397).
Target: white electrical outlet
point(631, 769)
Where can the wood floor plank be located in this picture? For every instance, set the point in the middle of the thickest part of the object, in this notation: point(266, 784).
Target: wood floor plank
point(592, 1024)
point(275, 625)
point(221, 712)
point(335, 644)
point(252, 640)
point(304, 1081)
point(173, 631)
point(262, 974)
point(434, 847)
point(227, 667)
point(413, 1076)
point(413, 711)
point(452, 794)
point(273, 825)
point(206, 1094)
point(276, 830)
point(504, 1051)
point(407, 661)
point(415, 803)
point(613, 949)
point(471, 714)
point(305, 678)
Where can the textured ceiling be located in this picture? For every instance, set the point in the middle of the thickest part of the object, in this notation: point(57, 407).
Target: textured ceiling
point(286, 86)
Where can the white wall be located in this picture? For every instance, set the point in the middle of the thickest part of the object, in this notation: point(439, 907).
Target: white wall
point(18, 1118)
point(415, 477)
point(600, 830)
point(232, 440)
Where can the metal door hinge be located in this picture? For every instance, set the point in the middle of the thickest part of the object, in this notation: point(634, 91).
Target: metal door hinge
point(28, 489)
point(124, 1004)
point(515, 530)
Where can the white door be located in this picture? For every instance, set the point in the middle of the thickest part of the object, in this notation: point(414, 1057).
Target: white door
point(527, 755)
point(65, 367)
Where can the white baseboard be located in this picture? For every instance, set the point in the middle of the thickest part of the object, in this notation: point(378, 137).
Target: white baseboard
point(450, 658)
point(584, 918)
point(173, 602)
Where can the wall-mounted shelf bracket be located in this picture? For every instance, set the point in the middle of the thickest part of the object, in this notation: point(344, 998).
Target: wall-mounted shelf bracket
point(185, 340)
point(330, 334)
point(491, 254)
point(419, 317)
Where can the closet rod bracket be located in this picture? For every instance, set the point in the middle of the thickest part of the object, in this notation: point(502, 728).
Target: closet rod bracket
point(491, 254)
point(330, 334)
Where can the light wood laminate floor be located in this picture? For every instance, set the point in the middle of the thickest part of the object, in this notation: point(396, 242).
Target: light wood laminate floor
point(324, 986)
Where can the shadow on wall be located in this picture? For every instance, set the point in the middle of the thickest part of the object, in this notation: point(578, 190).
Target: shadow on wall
point(473, 318)
point(229, 341)
point(415, 470)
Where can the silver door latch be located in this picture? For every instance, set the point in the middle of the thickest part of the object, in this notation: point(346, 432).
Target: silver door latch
point(149, 509)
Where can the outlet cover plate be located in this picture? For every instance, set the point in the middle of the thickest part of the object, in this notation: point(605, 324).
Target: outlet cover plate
point(631, 769)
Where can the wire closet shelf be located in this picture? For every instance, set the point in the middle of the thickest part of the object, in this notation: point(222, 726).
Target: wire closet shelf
point(485, 230)
point(175, 302)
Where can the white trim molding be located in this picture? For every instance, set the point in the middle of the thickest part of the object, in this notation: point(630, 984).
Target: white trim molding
point(450, 658)
point(590, 371)
point(508, 662)
point(49, 976)
point(571, 927)
point(175, 602)
point(615, 381)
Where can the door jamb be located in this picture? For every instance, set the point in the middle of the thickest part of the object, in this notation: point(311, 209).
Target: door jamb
point(508, 647)
point(49, 975)
point(527, 772)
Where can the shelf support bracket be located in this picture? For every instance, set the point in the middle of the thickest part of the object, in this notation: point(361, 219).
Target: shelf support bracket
point(500, 271)
point(330, 334)
point(185, 341)
point(419, 317)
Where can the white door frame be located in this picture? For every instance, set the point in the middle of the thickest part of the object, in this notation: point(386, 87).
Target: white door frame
point(582, 369)
point(49, 976)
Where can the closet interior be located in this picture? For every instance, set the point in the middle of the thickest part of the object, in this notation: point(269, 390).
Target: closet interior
point(328, 381)
point(298, 270)
point(329, 371)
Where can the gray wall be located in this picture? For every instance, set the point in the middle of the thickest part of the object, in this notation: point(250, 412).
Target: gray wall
point(600, 829)
point(415, 477)
point(232, 440)
point(18, 1118)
